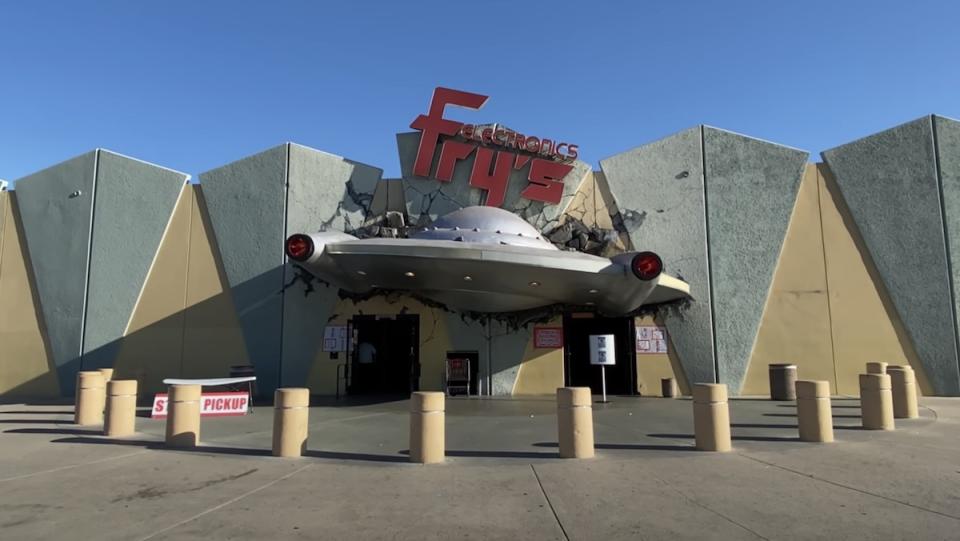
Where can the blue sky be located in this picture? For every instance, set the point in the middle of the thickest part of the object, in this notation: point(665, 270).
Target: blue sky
point(194, 85)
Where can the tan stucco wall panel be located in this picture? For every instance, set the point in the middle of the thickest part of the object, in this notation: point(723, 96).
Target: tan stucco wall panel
point(212, 340)
point(653, 367)
point(795, 327)
point(865, 326)
point(26, 369)
point(541, 370)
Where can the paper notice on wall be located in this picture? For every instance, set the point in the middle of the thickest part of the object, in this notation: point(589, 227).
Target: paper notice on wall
point(335, 338)
point(651, 340)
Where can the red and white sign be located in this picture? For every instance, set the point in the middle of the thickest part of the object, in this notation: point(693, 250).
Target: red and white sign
point(211, 405)
point(498, 150)
point(548, 337)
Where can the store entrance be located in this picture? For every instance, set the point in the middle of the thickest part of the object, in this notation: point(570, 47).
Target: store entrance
point(386, 355)
point(622, 377)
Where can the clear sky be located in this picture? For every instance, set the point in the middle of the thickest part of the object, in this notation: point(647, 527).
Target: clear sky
point(192, 85)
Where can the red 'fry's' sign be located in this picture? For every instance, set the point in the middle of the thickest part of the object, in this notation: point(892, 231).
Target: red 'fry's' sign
point(491, 169)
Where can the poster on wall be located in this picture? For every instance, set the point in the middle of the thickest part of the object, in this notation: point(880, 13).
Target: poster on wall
point(651, 340)
point(548, 337)
point(335, 338)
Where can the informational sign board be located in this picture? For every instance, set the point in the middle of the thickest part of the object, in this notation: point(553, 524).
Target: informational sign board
point(651, 340)
point(548, 337)
point(335, 338)
point(602, 351)
point(211, 404)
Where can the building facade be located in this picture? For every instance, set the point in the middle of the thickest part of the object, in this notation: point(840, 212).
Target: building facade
point(108, 261)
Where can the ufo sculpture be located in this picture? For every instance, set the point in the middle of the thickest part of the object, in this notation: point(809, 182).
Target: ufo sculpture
point(486, 259)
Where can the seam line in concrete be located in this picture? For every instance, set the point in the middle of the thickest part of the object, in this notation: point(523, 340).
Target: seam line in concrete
point(226, 503)
point(61, 468)
point(549, 503)
point(705, 507)
point(848, 487)
point(310, 425)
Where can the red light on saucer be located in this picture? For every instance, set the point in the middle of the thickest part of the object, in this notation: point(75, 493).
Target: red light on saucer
point(646, 265)
point(299, 247)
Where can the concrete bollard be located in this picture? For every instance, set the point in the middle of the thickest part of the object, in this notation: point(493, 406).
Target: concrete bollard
point(291, 409)
point(877, 368)
point(903, 383)
point(575, 422)
point(91, 398)
point(711, 417)
point(876, 402)
point(121, 415)
point(183, 416)
point(668, 388)
point(427, 435)
point(814, 417)
point(783, 379)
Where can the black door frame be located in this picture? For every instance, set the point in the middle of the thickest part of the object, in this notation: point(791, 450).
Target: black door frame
point(631, 351)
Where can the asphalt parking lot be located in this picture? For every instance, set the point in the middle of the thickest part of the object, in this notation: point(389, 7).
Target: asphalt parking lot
point(502, 478)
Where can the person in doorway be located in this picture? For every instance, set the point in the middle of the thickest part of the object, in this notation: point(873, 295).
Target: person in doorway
point(366, 353)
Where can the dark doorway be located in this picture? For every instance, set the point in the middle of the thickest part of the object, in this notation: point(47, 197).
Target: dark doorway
point(621, 378)
point(386, 355)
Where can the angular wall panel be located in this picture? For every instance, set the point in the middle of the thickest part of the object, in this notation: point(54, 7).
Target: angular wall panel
point(796, 319)
point(947, 133)
point(751, 186)
point(659, 192)
point(890, 184)
point(246, 201)
point(330, 192)
point(56, 209)
point(26, 369)
point(133, 204)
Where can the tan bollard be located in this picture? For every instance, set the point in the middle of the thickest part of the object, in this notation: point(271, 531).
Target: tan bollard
point(575, 422)
point(877, 368)
point(91, 397)
point(121, 415)
point(183, 416)
point(903, 382)
point(876, 402)
point(814, 417)
point(711, 417)
point(668, 388)
point(291, 409)
point(107, 374)
point(427, 436)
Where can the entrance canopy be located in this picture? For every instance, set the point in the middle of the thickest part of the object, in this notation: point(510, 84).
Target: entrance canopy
point(485, 259)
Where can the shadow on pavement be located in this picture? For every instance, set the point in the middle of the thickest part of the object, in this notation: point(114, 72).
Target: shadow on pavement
point(734, 438)
point(627, 446)
point(35, 421)
point(38, 412)
point(62, 431)
point(759, 425)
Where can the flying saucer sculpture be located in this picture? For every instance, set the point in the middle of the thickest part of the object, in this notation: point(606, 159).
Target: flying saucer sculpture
point(486, 259)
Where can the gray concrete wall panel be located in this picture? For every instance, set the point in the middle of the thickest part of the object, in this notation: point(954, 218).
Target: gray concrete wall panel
point(507, 346)
point(948, 155)
point(56, 209)
point(658, 188)
point(751, 188)
point(246, 201)
point(132, 207)
point(499, 347)
point(325, 192)
point(889, 182)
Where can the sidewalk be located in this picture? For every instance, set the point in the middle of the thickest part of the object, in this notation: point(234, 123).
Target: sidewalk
point(502, 479)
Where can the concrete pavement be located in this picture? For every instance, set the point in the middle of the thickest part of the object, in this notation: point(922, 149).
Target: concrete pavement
point(502, 478)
